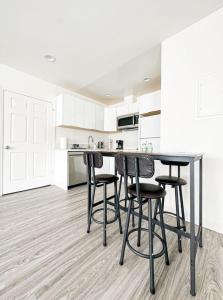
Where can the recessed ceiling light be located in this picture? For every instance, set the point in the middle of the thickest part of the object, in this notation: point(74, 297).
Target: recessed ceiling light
point(50, 58)
point(146, 79)
point(108, 95)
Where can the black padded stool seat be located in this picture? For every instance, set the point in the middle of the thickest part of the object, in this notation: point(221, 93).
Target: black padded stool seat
point(105, 178)
point(147, 190)
point(170, 180)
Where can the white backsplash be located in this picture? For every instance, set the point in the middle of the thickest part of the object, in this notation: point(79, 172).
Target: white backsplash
point(78, 136)
point(130, 138)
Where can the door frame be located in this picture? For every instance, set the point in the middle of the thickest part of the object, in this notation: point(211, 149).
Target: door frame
point(1, 138)
point(53, 104)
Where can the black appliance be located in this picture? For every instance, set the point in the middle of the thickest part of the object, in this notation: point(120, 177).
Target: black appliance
point(119, 144)
point(130, 121)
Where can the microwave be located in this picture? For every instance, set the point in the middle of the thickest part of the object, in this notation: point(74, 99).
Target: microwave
point(130, 121)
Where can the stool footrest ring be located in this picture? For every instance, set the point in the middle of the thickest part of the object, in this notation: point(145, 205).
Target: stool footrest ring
point(108, 222)
point(159, 254)
point(170, 213)
point(122, 200)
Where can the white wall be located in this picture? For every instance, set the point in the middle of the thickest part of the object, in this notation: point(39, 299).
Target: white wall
point(192, 72)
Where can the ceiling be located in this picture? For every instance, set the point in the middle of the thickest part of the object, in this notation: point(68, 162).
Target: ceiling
point(100, 46)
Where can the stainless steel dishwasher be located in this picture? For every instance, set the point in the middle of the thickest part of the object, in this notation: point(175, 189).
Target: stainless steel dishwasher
point(77, 169)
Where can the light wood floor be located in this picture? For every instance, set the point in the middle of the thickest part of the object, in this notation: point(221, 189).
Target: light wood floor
point(45, 253)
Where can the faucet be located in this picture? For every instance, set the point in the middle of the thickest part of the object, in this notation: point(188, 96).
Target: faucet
point(92, 141)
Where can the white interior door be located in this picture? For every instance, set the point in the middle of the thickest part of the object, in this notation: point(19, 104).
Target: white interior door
point(28, 132)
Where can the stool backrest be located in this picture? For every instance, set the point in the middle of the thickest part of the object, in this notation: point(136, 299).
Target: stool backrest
point(134, 165)
point(174, 163)
point(92, 160)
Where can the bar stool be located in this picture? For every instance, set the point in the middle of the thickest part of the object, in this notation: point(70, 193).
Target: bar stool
point(142, 166)
point(176, 183)
point(95, 160)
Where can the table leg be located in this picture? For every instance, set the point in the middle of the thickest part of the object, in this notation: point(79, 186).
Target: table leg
point(200, 200)
point(192, 232)
point(89, 191)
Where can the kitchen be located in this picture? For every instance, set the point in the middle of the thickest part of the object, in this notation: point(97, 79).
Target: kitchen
point(135, 134)
point(110, 156)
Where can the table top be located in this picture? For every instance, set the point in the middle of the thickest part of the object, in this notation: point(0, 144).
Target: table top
point(171, 156)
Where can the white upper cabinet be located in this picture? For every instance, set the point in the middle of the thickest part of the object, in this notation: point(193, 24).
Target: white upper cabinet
point(150, 102)
point(110, 119)
point(122, 110)
point(77, 112)
point(89, 115)
point(133, 107)
point(99, 117)
point(128, 108)
point(69, 111)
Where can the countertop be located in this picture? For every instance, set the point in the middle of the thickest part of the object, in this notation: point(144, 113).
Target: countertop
point(158, 155)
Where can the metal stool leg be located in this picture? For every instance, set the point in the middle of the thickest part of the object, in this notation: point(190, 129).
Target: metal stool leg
point(104, 214)
point(133, 216)
point(155, 213)
point(163, 233)
point(178, 219)
point(139, 225)
point(156, 208)
point(117, 208)
point(133, 208)
point(151, 259)
point(125, 233)
point(91, 209)
point(182, 208)
point(119, 189)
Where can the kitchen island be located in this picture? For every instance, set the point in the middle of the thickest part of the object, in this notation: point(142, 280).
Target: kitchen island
point(192, 159)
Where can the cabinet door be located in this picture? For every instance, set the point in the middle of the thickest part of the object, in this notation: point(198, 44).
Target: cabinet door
point(70, 110)
point(122, 110)
point(150, 126)
point(133, 108)
point(110, 119)
point(78, 112)
point(89, 115)
point(150, 102)
point(99, 117)
point(65, 110)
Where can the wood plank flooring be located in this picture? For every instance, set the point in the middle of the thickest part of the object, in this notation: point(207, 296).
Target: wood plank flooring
point(45, 253)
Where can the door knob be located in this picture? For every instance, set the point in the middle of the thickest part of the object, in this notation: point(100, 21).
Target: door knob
point(7, 147)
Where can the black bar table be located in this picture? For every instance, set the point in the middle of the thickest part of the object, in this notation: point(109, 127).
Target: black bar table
point(191, 158)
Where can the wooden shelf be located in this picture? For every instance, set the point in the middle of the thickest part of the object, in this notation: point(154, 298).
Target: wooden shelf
point(151, 113)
